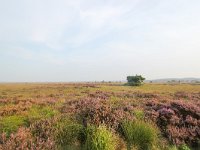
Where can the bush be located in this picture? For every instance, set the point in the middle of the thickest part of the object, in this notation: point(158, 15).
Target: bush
point(43, 128)
point(135, 80)
point(139, 134)
point(97, 112)
point(64, 132)
point(99, 139)
point(178, 121)
point(23, 139)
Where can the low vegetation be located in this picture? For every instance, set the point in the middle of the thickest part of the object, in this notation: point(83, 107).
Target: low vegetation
point(99, 138)
point(106, 116)
point(139, 134)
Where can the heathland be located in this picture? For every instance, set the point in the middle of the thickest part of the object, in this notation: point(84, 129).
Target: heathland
point(99, 116)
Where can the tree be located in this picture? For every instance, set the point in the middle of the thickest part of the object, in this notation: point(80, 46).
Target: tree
point(136, 80)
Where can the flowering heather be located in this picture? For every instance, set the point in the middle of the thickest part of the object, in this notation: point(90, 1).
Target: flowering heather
point(97, 111)
point(58, 116)
point(185, 95)
point(23, 139)
point(179, 121)
point(100, 95)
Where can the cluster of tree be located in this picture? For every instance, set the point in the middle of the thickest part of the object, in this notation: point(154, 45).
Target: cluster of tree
point(136, 80)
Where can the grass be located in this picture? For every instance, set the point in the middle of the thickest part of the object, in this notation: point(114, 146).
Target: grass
point(139, 134)
point(68, 133)
point(100, 138)
point(10, 124)
point(172, 148)
point(184, 147)
point(139, 114)
point(47, 100)
point(33, 90)
point(39, 112)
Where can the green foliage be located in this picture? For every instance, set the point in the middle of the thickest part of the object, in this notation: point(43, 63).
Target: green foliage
point(100, 139)
point(9, 124)
point(139, 134)
point(38, 112)
point(139, 114)
point(136, 80)
point(184, 147)
point(172, 148)
point(68, 133)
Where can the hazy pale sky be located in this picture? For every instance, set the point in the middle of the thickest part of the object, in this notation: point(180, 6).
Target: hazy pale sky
point(87, 40)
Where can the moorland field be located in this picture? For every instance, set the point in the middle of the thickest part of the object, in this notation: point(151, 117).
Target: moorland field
point(99, 116)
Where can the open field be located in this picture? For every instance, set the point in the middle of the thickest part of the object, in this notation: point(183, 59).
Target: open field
point(99, 116)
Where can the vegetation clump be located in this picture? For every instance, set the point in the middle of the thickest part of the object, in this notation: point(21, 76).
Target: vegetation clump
point(100, 138)
point(23, 139)
point(68, 133)
point(184, 147)
point(139, 134)
point(136, 80)
point(98, 111)
point(178, 121)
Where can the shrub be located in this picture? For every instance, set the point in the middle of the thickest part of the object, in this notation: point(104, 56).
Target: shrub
point(99, 139)
point(140, 134)
point(63, 131)
point(23, 139)
point(97, 112)
point(43, 128)
point(178, 120)
point(135, 80)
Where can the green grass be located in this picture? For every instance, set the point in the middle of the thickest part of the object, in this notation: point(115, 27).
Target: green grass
point(100, 139)
point(9, 124)
point(68, 134)
point(184, 147)
point(139, 134)
point(139, 114)
point(172, 147)
point(39, 112)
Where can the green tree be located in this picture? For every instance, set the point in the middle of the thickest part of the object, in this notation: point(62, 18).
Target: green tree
point(136, 80)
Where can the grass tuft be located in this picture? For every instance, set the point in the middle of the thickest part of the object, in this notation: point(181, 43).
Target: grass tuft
point(139, 134)
point(100, 139)
point(68, 133)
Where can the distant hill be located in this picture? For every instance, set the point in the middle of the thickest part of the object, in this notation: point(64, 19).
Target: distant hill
point(175, 80)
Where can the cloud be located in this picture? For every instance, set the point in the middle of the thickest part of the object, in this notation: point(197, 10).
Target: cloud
point(135, 35)
point(34, 56)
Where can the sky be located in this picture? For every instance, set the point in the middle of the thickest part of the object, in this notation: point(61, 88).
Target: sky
point(95, 40)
